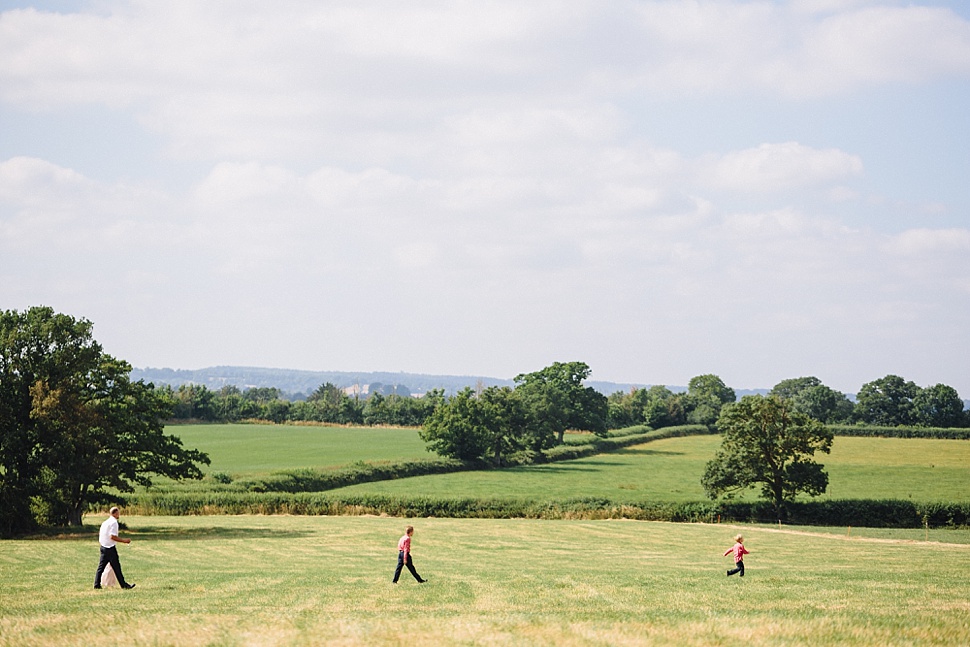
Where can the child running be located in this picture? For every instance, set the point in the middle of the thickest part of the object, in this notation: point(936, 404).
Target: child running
point(739, 552)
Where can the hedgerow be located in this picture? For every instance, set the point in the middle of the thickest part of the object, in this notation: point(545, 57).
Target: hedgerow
point(309, 480)
point(855, 512)
point(944, 433)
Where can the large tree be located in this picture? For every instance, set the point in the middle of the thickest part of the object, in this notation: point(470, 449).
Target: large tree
point(706, 395)
point(766, 442)
point(809, 396)
point(887, 401)
point(478, 426)
point(72, 424)
point(938, 406)
point(556, 398)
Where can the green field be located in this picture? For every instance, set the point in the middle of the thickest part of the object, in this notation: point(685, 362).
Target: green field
point(247, 450)
point(325, 580)
point(670, 470)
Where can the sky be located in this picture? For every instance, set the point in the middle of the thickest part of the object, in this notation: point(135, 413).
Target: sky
point(759, 190)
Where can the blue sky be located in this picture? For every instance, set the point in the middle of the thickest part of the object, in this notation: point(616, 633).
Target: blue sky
point(760, 190)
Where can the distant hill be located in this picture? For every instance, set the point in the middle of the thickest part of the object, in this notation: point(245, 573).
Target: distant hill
point(301, 383)
point(297, 384)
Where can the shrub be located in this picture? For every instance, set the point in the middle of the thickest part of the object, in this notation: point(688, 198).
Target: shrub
point(901, 432)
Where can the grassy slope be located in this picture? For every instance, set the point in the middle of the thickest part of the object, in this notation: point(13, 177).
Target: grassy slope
point(325, 580)
point(670, 470)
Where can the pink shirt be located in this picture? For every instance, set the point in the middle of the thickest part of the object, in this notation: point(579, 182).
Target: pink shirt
point(404, 544)
point(739, 551)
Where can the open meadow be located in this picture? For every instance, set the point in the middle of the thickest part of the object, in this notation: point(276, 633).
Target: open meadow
point(253, 580)
point(670, 470)
point(246, 450)
point(924, 470)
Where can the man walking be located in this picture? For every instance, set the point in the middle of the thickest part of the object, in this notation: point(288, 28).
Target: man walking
point(109, 551)
point(404, 556)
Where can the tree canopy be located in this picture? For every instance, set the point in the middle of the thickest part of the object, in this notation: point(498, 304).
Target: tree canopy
point(492, 423)
point(766, 442)
point(707, 395)
point(809, 396)
point(489, 425)
point(72, 424)
point(887, 401)
point(558, 401)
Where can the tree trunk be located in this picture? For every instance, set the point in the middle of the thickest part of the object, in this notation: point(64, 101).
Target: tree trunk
point(74, 515)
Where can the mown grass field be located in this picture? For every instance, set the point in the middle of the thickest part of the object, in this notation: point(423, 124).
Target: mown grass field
point(325, 580)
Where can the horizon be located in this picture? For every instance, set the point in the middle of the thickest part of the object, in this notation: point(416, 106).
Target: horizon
point(457, 376)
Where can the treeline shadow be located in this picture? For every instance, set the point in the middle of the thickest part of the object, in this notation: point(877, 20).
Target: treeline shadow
point(639, 451)
point(166, 533)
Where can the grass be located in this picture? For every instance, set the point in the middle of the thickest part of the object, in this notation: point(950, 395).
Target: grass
point(325, 580)
point(922, 470)
point(670, 470)
point(249, 450)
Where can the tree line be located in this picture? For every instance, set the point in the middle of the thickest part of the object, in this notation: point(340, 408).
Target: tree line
point(890, 401)
point(328, 403)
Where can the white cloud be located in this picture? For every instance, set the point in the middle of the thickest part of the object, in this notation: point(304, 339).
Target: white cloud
point(780, 167)
point(373, 79)
point(49, 208)
point(930, 242)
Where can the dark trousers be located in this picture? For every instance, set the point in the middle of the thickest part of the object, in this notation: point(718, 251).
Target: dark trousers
point(401, 563)
point(738, 568)
point(110, 556)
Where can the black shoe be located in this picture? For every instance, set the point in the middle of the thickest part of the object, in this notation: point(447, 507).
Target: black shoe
point(422, 581)
point(97, 586)
point(128, 586)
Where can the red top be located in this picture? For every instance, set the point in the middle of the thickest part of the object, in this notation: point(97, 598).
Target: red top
point(739, 551)
point(404, 545)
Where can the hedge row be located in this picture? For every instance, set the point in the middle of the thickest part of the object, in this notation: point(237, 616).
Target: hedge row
point(860, 513)
point(310, 480)
point(871, 513)
point(901, 432)
point(610, 444)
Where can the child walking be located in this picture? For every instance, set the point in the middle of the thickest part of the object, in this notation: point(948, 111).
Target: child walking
point(404, 556)
point(739, 552)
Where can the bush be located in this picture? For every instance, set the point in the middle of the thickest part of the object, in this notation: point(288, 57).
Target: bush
point(944, 433)
point(309, 480)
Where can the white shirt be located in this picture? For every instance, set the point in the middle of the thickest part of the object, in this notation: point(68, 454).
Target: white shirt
point(109, 528)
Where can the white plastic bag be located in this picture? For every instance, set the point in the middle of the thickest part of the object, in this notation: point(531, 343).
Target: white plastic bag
point(108, 577)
